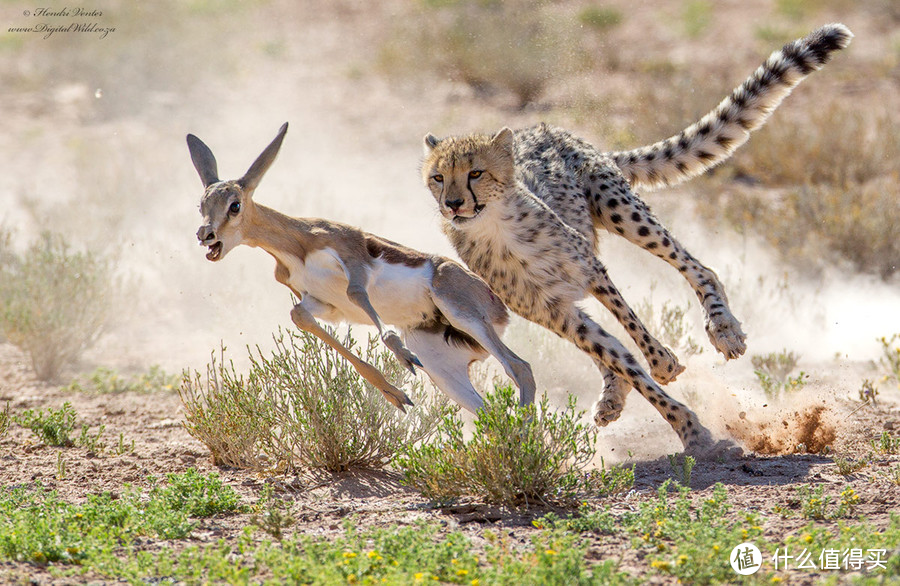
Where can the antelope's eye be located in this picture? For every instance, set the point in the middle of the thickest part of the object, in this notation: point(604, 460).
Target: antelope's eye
point(234, 208)
point(437, 178)
point(475, 174)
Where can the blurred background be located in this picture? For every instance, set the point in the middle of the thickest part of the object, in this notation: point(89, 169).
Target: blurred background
point(802, 225)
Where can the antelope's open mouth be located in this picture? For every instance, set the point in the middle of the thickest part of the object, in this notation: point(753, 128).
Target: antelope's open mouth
point(215, 251)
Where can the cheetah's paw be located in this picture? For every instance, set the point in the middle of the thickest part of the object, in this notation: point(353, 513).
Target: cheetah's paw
point(607, 410)
point(666, 368)
point(726, 335)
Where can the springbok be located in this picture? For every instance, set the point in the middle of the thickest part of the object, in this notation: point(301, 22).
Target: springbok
point(448, 317)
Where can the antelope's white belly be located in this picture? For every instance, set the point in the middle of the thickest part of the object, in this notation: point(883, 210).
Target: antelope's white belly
point(400, 294)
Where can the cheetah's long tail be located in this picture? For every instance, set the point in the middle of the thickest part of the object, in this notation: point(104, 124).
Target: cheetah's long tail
point(715, 137)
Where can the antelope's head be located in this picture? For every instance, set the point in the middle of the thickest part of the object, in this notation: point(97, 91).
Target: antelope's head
point(227, 206)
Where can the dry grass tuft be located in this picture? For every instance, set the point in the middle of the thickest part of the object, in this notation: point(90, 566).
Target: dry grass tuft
point(836, 198)
point(54, 302)
point(304, 406)
point(515, 47)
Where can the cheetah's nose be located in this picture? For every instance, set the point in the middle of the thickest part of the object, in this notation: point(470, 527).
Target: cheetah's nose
point(454, 205)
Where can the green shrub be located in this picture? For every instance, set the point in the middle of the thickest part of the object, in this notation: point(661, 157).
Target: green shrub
point(230, 416)
point(890, 357)
point(816, 505)
point(669, 325)
point(848, 466)
point(53, 427)
point(690, 540)
point(92, 442)
point(601, 18)
point(517, 454)
point(195, 495)
point(54, 303)
point(886, 444)
point(37, 526)
point(774, 370)
point(682, 468)
point(305, 406)
point(105, 380)
point(697, 16)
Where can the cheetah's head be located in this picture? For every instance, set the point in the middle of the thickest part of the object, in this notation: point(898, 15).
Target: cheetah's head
point(467, 174)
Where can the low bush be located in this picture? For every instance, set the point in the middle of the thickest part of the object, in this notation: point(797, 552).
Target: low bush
point(516, 455)
point(104, 380)
point(517, 46)
point(837, 200)
point(305, 406)
point(41, 528)
point(53, 427)
point(890, 357)
point(669, 325)
point(774, 370)
point(54, 303)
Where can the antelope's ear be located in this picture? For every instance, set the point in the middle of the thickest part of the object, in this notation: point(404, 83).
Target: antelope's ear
point(430, 142)
point(203, 160)
point(262, 163)
point(504, 140)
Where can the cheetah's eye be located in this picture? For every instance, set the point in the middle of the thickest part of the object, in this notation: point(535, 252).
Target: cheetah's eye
point(475, 174)
point(437, 178)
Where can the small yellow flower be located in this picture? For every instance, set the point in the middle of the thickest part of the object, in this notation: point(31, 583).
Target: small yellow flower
point(715, 548)
point(659, 564)
point(550, 552)
point(461, 572)
point(349, 554)
point(419, 576)
point(372, 554)
point(808, 538)
point(682, 559)
point(660, 547)
point(776, 579)
point(454, 561)
point(475, 582)
point(351, 579)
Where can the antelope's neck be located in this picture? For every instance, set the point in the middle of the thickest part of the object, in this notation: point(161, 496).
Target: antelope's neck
point(279, 235)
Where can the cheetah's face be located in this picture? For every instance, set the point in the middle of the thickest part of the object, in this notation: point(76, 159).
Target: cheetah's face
point(467, 174)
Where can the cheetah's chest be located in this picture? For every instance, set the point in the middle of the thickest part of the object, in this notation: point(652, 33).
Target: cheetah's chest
point(527, 259)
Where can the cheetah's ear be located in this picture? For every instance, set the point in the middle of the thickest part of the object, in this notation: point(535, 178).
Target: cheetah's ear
point(430, 141)
point(504, 140)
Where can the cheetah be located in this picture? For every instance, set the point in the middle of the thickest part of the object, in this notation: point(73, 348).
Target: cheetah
point(522, 210)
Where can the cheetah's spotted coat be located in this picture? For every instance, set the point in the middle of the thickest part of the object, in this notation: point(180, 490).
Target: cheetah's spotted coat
point(522, 209)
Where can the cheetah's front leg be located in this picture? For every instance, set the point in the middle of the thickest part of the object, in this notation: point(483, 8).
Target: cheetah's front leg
point(609, 406)
point(664, 366)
